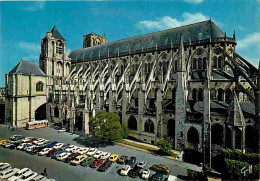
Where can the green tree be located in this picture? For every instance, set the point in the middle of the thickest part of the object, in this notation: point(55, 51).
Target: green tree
point(106, 126)
point(165, 147)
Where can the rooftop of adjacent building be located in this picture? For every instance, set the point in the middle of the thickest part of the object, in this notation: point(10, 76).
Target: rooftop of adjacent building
point(27, 68)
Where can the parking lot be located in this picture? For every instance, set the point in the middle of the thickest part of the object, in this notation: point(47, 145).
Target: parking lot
point(62, 171)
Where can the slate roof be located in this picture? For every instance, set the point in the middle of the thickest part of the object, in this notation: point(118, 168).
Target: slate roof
point(193, 32)
point(27, 68)
point(56, 34)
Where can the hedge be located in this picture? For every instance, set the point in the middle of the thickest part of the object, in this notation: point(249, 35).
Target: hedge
point(233, 168)
point(251, 158)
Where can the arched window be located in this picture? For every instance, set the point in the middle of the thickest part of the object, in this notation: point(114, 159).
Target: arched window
point(132, 123)
point(213, 94)
point(67, 69)
point(200, 96)
point(59, 69)
point(228, 96)
point(220, 62)
point(193, 136)
point(39, 86)
point(194, 94)
point(56, 112)
point(204, 63)
point(171, 128)
point(200, 63)
point(194, 66)
point(215, 63)
point(149, 126)
point(220, 95)
point(217, 134)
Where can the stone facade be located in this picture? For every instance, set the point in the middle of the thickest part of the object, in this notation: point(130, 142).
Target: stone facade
point(186, 84)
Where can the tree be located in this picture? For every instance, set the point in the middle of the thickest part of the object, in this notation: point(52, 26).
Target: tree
point(106, 126)
point(165, 147)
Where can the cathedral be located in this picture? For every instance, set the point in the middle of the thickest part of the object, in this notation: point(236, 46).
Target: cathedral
point(186, 84)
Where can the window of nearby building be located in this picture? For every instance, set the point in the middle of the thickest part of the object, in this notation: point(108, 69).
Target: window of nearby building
point(39, 87)
point(149, 126)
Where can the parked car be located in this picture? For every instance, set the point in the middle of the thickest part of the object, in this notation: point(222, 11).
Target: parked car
point(26, 146)
point(92, 151)
point(11, 145)
point(145, 174)
point(131, 161)
point(30, 148)
point(37, 142)
point(64, 147)
point(38, 178)
point(63, 155)
point(62, 130)
point(8, 173)
point(51, 152)
point(71, 148)
point(19, 174)
point(122, 159)
point(44, 151)
point(27, 139)
point(16, 137)
point(161, 168)
point(20, 147)
point(75, 150)
point(71, 157)
point(105, 155)
point(87, 161)
point(5, 166)
point(141, 164)
point(158, 177)
point(35, 150)
point(58, 145)
point(54, 156)
point(113, 157)
point(134, 172)
point(78, 159)
point(97, 154)
point(124, 170)
point(172, 178)
point(4, 142)
point(82, 151)
point(104, 166)
point(51, 144)
point(27, 176)
point(96, 163)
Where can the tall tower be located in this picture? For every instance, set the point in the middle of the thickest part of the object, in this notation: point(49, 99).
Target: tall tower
point(180, 98)
point(53, 59)
point(93, 39)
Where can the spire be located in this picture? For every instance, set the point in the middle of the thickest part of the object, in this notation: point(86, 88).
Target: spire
point(234, 35)
point(181, 61)
point(56, 34)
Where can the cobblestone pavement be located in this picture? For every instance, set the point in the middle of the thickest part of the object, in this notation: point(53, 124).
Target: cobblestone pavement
point(62, 171)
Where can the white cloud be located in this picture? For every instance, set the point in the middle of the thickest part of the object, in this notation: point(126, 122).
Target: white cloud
point(194, 1)
point(249, 41)
point(33, 47)
point(167, 22)
point(35, 6)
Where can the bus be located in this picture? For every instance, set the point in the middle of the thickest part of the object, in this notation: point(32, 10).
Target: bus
point(37, 124)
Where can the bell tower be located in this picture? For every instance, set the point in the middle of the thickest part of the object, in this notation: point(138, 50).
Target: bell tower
point(93, 39)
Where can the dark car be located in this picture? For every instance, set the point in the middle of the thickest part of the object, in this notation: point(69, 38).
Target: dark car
point(158, 177)
point(131, 161)
point(134, 172)
point(122, 159)
point(54, 156)
point(35, 150)
point(11, 145)
point(104, 166)
point(51, 144)
point(96, 163)
point(51, 152)
point(71, 157)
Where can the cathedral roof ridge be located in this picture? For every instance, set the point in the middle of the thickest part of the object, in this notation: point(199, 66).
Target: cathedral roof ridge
point(192, 32)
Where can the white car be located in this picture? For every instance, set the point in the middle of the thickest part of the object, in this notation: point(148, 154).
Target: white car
point(92, 151)
point(19, 174)
point(172, 178)
point(71, 148)
point(82, 151)
point(63, 155)
point(8, 173)
point(62, 130)
point(38, 140)
point(75, 150)
point(125, 169)
point(37, 178)
point(142, 164)
point(27, 176)
point(25, 140)
point(30, 148)
point(44, 151)
point(145, 174)
point(105, 155)
point(97, 154)
point(5, 166)
point(58, 145)
point(21, 146)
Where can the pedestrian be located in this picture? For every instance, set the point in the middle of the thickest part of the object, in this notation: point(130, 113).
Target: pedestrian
point(45, 171)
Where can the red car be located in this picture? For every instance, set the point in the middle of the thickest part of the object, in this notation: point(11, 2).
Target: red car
point(96, 163)
point(31, 140)
point(50, 153)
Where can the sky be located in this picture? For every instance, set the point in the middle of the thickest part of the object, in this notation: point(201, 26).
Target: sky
point(24, 24)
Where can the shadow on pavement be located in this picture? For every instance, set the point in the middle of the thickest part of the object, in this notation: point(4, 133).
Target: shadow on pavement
point(89, 141)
